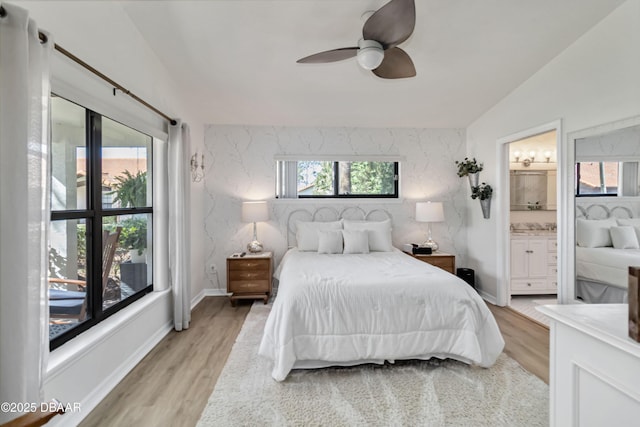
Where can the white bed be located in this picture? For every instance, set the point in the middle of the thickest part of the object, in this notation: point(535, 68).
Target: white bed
point(347, 309)
point(606, 246)
point(607, 265)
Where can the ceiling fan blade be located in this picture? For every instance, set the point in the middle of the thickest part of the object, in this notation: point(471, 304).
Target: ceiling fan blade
point(392, 24)
point(395, 65)
point(329, 56)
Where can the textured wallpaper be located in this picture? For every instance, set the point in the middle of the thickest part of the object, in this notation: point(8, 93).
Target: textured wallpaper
point(241, 167)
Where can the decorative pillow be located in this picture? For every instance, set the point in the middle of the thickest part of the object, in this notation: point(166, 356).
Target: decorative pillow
point(379, 233)
point(594, 233)
point(329, 241)
point(307, 233)
point(356, 241)
point(635, 222)
point(624, 237)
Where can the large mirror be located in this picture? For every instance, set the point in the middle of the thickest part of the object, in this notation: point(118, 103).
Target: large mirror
point(606, 193)
point(532, 190)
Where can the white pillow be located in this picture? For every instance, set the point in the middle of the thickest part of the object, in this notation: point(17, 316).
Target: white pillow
point(635, 222)
point(594, 233)
point(307, 233)
point(329, 241)
point(379, 233)
point(355, 241)
point(624, 237)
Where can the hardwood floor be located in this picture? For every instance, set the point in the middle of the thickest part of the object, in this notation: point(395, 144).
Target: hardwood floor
point(172, 384)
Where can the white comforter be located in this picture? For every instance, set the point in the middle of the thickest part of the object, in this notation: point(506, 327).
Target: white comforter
point(607, 265)
point(344, 309)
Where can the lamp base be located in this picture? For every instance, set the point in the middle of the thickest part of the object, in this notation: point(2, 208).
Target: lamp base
point(254, 247)
point(430, 244)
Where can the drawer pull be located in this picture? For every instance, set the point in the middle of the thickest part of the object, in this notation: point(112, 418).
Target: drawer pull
point(528, 284)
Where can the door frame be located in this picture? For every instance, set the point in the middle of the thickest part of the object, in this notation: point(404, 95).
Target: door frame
point(503, 201)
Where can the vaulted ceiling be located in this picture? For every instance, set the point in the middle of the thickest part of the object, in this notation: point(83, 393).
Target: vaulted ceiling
point(237, 59)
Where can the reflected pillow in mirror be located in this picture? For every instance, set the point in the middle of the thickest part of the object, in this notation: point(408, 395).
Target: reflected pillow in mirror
point(594, 233)
point(329, 241)
point(634, 222)
point(624, 237)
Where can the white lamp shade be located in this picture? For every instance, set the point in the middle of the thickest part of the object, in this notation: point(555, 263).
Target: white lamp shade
point(429, 212)
point(254, 211)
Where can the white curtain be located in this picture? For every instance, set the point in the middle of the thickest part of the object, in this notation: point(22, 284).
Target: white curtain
point(24, 208)
point(179, 224)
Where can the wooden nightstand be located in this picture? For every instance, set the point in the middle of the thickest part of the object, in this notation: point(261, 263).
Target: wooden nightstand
point(249, 277)
point(446, 262)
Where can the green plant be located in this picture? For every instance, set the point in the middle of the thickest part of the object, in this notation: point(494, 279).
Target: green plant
point(130, 190)
point(467, 166)
point(482, 192)
point(134, 234)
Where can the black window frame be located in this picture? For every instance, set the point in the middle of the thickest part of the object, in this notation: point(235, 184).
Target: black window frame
point(93, 216)
point(336, 185)
point(577, 185)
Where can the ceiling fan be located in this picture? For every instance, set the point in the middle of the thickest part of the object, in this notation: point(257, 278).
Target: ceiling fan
point(377, 50)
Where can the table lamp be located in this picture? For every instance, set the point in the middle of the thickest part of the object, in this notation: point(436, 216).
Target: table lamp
point(254, 212)
point(429, 212)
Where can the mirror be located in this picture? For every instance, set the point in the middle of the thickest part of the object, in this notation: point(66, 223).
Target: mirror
point(533, 190)
point(605, 190)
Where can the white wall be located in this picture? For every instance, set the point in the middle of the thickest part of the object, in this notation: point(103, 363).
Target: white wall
point(101, 34)
point(243, 168)
point(594, 81)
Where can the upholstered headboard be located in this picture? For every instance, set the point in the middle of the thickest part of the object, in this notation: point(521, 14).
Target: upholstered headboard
point(326, 213)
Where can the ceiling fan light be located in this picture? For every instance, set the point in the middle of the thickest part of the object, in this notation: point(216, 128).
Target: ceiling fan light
point(370, 54)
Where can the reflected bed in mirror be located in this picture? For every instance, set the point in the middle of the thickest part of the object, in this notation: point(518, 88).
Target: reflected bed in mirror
point(607, 213)
point(607, 239)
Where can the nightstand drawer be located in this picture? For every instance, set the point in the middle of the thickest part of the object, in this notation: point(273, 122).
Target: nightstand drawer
point(248, 286)
point(250, 264)
point(248, 274)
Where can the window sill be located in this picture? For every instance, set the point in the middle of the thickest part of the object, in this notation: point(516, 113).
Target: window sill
point(85, 342)
point(341, 201)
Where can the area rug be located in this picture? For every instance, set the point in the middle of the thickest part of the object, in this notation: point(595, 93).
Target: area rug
point(407, 393)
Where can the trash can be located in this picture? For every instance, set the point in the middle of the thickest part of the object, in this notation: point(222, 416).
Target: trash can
point(468, 275)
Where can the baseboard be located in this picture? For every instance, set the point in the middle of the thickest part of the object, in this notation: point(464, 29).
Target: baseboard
point(215, 293)
point(92, 400)
point(489, 298)
point(196, 299)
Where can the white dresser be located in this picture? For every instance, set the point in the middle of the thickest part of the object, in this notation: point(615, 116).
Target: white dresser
point(594, 367)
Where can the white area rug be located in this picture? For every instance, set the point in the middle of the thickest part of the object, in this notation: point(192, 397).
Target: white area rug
point(411, 393)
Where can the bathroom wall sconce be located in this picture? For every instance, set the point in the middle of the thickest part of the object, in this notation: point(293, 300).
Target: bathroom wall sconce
point(197, 169)
point(528, 158)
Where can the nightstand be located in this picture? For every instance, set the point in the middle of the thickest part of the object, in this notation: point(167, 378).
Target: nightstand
point(445, 261)
point(249, 277)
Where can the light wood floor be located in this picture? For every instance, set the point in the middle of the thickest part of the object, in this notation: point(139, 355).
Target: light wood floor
point(172, 384)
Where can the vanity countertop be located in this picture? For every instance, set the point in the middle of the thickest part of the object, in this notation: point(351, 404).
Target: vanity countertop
point(533, 233)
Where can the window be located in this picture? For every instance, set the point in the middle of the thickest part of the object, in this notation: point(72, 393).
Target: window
point(100, 246)
point(337, 179)
point(597, 179)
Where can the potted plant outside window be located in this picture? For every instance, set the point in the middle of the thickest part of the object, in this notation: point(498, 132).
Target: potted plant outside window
point(471, 169)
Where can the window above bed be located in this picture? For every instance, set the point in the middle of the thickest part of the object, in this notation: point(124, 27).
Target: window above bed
point(360, 177)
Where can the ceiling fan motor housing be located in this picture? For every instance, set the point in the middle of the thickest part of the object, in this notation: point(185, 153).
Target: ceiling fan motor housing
point(370, 54)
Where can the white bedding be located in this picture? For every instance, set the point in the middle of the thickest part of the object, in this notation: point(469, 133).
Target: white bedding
point(607, 265)
point(337, 309)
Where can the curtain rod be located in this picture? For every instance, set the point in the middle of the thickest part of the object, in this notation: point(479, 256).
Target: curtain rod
point(116, 86)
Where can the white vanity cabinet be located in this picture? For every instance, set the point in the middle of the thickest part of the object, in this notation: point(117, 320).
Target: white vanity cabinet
point(534, 264)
